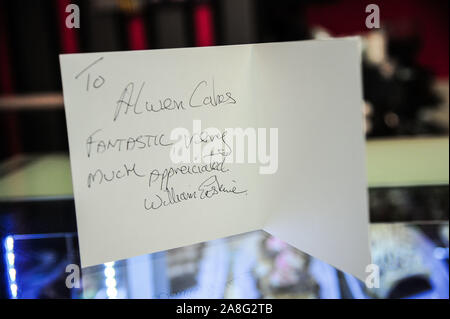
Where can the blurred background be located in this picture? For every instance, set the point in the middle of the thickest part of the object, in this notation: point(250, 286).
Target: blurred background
point(406, 108)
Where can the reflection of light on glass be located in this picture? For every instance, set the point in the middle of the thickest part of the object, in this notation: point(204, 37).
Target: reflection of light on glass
point(440, 253)
point(10, 258)
point(111, 292)
point(110, 280)
point(9, 243)
point(109, 272)
point(12, 274)
point(13, 288)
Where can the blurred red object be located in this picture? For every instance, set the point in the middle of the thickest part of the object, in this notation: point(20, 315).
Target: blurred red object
point(204, 27)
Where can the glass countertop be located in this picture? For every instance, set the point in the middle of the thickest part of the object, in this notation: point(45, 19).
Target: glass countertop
point(412, 260)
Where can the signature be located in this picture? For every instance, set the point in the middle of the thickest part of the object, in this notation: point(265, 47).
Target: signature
point(207, 189)
point(211, 187)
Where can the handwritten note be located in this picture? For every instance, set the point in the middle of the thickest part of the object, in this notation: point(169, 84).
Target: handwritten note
point(179, 146)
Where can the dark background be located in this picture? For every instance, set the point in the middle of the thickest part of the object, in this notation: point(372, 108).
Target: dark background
point(33, 34)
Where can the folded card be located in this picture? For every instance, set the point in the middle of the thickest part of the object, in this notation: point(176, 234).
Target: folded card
point(174, 147)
